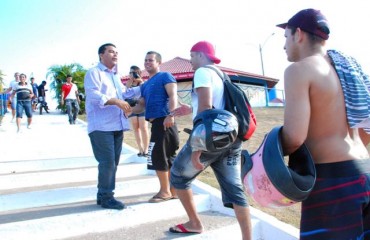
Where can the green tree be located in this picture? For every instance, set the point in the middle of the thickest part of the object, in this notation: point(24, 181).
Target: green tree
point(58, 74)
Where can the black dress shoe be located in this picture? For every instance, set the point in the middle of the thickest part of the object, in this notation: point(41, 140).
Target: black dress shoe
point(112, 203)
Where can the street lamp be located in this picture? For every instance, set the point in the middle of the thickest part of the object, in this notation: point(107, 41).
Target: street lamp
point(260, 48)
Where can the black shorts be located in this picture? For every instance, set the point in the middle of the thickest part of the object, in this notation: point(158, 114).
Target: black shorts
point(163, 145)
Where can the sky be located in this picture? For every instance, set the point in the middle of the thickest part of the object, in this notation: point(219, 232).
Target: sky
point(37, 34)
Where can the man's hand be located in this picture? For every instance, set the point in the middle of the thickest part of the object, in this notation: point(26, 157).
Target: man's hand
point(168, 122)
point(125, 106)
point(195, 159)
point(183, 110)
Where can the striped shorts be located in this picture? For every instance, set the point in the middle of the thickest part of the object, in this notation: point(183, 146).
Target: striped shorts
point(339, 205)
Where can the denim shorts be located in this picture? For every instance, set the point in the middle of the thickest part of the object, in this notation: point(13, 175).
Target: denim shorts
point(226, 166)
point(26, 105)
point(137, 115)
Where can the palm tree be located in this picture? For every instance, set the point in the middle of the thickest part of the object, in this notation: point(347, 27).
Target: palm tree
point(58, 75)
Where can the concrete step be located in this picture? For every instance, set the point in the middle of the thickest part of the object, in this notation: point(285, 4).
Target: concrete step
point(67, 213)
point(10, 182)
point(48, 191)
point(11, 167)
point(219, 227)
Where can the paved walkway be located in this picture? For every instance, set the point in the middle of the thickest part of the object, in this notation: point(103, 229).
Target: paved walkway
point(50, 136)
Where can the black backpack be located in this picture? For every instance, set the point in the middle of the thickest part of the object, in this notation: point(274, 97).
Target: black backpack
point(237, 103)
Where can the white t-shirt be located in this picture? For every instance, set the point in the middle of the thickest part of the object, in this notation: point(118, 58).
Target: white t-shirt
point(13, 84)
point(72, 93)
point(205, 77)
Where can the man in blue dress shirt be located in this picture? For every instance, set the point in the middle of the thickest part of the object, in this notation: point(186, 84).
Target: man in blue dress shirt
point(107, 120)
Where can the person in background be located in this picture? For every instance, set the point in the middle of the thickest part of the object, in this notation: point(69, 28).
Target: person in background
point(42, 101)
point(24, 93)
point(35, 94)
point(106, 121)
point(226, 163)
point(13, 100)
point(138, 122)
point(328, 108)
point(71, 99)
point(3, 102)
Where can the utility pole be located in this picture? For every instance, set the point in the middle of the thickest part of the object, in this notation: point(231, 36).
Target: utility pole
point(261, 55)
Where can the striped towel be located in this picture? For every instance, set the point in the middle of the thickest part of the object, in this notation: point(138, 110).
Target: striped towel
point(356, 89)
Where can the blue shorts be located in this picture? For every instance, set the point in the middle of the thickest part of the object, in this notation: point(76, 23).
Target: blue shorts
point(225, 165)
point(339, 205)
point(137, 115)
point(26, 105)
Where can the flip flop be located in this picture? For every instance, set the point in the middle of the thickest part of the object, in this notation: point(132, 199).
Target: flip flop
point(181, 229)
point(157, 199)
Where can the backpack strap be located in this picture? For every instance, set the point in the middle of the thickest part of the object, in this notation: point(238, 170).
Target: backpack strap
point(224, 77)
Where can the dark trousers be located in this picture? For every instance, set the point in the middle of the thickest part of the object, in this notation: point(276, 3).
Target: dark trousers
point(107, 147)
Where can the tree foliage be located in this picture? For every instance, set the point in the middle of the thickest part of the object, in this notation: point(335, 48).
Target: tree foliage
point(58, 74)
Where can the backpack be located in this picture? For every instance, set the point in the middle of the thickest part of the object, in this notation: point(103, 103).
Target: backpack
point(237, 103)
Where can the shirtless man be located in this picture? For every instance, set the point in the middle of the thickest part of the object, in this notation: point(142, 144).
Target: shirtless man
point(315, 114)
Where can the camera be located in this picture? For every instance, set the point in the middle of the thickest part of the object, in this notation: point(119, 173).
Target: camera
point(135, 75)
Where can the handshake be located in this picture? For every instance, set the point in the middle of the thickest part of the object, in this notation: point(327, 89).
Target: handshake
point(131, 102)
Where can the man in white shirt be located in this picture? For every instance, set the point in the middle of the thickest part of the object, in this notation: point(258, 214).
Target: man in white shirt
point(70, 97)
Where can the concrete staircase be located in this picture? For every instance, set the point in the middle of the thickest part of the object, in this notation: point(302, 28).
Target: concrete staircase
point(48, 191)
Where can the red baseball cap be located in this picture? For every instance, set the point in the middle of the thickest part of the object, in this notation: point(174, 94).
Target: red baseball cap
point(311, 21)
point(206, 48)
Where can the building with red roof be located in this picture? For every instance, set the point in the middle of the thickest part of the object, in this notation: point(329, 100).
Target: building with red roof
point(252, 84)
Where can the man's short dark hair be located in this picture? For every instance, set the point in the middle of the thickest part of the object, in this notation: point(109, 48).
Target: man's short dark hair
point(158, 56)
point(104, 46)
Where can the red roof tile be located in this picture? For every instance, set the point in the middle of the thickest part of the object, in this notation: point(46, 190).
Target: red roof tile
point(181, 69)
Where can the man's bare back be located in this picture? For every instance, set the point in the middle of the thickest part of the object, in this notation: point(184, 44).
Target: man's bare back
point(317, 87)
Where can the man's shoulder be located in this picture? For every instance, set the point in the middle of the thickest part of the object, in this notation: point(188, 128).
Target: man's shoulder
point(165, 74)
point(310, 67)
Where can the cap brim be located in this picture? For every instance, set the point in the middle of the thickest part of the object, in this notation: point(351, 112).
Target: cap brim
point(214, 59)
point(282, 25)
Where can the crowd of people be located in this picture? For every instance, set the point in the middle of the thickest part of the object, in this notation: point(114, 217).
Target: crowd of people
point(29, 97)
point(319, 112)
point(24, 97)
